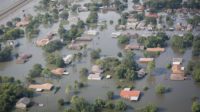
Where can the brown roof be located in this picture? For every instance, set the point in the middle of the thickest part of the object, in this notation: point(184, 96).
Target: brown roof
point(153, 15)
point(146, 60)
point(129, 94)
point(23, 22)
point(42, 42)
point(96, 69)
point(131, 47)
point(176, 69)
point(46, 86)
point(58, 71)
point(158, 49)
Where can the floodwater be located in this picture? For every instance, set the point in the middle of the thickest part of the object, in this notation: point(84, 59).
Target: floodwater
point(179, 99)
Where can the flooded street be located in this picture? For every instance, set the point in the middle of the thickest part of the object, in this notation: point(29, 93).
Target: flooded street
point(179, 99)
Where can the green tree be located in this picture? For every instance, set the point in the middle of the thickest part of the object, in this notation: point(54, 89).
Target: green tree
point(122, 39)
point(110, 95)
point(195, 106)
point(150, 66)
point(64, 15)
point(160, 89)
point(5, 54)
point(95, 54)
point(120, 105)
point(35, 71)
point(149, 108)
point(53, 46)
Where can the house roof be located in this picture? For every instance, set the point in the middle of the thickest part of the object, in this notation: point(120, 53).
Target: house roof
point(42, 42)
point(128, 94)
point(23, 22)
point(58, 71)
point(46, 86)
point(153, 15)
point(131, 47)
point(176, 69)
point(24, 100)
point(96, 69)
point(146, 59)
point(157, 49)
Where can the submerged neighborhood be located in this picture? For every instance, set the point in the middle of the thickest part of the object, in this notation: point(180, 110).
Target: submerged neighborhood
point(100, 56)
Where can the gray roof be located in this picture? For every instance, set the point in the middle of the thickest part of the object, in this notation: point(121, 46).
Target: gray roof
point(24, 100)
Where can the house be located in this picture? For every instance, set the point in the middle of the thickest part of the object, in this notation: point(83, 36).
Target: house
point(85, 38)
point(121, 27)
point(138, 8)
point(157, 49)
point(132, 47)
point(95, 73)
point(76, 45)
point(22, 58)
point(96, 69)
point(159, 26)
point(24, 22)
point(94, 76)
point(44, 41)
point(59, 71)
point(23, 103)
point(150, 27)
point(141, 26)
point(12, 43)
point(177, 72)
point(68, 59)
point(146, 60)
point(108, 76)
point(152, 15)
point(82, 9)
point(141, 73)
point(132, 95)
point(177, 61)
point(116, 34)
point(46, 86)
point(91, 32)
point(131, 25)
point(189, 27)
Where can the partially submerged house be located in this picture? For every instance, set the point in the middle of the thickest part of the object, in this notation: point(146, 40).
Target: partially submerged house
point(177, 70)
point(59, 71)
point(22, 58)
point(23, 103)
point(141, 73)
point(76, 45)
point(46, 86)
point(146, 60)
point(84, 38)
point(116, 34)
point(96, 73)
point(157, 49)
point(132, 95)
point(132, 47)
point(23, 23)
point(91, 32)
point(68, 59)
point(177, 61)
point(44, 41)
